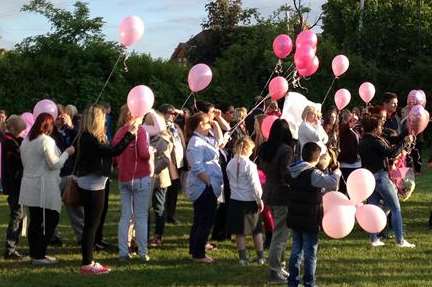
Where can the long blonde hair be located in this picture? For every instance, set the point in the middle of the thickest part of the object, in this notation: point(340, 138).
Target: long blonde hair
point(94, 122)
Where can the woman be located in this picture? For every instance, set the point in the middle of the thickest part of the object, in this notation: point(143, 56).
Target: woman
point(375, 153)
point(330, 126)
point(204, 182)
point(275, 156)
point(348, 157)
point(134, 185)
point(94, 158)
point(310, 129)
point(40, 190)
point(12, 171)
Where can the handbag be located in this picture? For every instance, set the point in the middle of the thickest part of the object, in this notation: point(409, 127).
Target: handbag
point(71, 196)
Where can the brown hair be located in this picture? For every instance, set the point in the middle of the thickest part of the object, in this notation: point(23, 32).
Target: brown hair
point(124, 117)
point(44, 124)
point(193, 122)
point(370, 123)
point(15, 125)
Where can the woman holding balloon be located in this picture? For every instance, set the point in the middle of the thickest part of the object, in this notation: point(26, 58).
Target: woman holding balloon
point(375, 153)
point(94, 158)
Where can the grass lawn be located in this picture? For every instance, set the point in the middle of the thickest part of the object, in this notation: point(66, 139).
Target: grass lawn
point(348, 262)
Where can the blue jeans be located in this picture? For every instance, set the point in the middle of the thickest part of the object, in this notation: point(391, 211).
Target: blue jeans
point(386, 191)
point(135, 203)
point(303, 243)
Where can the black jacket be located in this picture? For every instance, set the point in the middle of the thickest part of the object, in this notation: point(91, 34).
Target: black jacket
point(95, 158)
point(375, 152)
point(64, 138)
point(277, 176)
point(11, 166)
point(304, 204)
point(349, 146)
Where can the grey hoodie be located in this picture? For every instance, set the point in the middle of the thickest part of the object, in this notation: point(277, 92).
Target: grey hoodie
point(328, 182)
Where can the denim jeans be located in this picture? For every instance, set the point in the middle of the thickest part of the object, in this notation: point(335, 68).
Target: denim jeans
point(159, 196)
point(13, 231)
point(279, 238)
point(303, 243)
point(135, 202)
point(386, 191)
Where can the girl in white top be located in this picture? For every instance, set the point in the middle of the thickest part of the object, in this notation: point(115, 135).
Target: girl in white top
point(311, 130)
point(245, 204)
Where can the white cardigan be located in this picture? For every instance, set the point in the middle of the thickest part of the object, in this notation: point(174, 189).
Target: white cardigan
point(309, 133)
point(41, 178)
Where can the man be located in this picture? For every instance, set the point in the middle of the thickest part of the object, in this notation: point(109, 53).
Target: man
point(390, 104)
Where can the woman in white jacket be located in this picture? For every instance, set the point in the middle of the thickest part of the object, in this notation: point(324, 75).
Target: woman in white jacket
point(311, 130)
point(40, 190)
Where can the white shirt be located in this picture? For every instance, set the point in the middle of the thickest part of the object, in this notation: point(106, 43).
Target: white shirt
point(243, 179)
point(312, 133)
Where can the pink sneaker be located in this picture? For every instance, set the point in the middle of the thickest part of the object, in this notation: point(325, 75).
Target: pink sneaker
point(94, 269)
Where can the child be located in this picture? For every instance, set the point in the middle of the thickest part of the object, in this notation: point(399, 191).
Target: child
point(305, 212)
point(245, 203)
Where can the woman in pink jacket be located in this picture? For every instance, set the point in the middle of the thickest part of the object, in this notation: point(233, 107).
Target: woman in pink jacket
point(134, 171)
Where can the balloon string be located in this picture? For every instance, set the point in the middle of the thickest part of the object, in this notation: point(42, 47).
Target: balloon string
point(107, 80)
point(328, 91)
point(187, 99)
point(250, 112)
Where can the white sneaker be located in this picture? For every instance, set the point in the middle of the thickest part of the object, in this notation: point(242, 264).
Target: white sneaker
point(284, 272)
point(405, 244)
point(377, 243)
point(45, 261)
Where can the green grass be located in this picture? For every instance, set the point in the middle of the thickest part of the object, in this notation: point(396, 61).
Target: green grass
point(348, 262)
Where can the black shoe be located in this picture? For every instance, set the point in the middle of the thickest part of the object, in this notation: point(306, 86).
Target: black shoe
point(172, 221)
point(13, 256)
point(104, 246)
point(56, 241)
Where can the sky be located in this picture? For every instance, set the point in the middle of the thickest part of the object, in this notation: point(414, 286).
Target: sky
point(167, 22)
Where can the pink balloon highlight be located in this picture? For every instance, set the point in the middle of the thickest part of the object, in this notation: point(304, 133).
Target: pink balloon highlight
point(342, 98)
point(267, 124)
point(278, 88)
point(311, 69)
point(340, 65)
point(367, 92)
point(335, 198)
point(304, 57)
point(140, 100)
point(339, 221)
point(418, 119)
point(262, 177)
point(45, 106)
point(307, 38)
point(29, 121)
point(131, 30)
point(360, 185)
point(282, 46)
point(200, 76)
point(371, 218)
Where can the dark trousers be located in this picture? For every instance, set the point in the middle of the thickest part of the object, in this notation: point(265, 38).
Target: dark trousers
point(93, 202)
point(171, 198)
point(13, 230)
point(220, 229)
point(99, 231)
point(204, 213)
point(38, 241)
point(158, 202)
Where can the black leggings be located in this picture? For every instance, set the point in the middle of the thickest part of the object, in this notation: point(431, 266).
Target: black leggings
point(93, 203)
point(38, 241)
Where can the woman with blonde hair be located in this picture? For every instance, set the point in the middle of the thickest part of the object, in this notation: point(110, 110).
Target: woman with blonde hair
point(311, 130)
point(94, 159)
point(245, 203)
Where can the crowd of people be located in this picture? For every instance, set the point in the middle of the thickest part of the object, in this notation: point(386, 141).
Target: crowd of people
point(240, 182)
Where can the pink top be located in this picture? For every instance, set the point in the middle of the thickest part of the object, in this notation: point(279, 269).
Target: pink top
point(134, 161)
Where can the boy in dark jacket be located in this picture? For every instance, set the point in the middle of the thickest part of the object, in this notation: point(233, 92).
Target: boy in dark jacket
point(305, 212)
point(12, 171)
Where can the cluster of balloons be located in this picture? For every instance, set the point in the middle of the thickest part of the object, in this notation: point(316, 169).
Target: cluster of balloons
point(305, 60)
point(343, 96)
point(340, 212)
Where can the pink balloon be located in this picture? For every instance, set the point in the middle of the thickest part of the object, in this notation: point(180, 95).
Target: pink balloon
point(342, 98)
point(131, 30)
point(262, 177)
point(29, 121)
point(367, 92)
point(360, 185)
point(267, 124)
point(282, 46)
point(140, 100)
point(340, 65)
point(311, 69)
point(418, 119)
point(339, 221)
point(334, 198)
point(45, 106)
point(416, 97)
point(371, 218)
point(199, 77)
point(304, 57)
point(278, 88)
point(307, 38)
